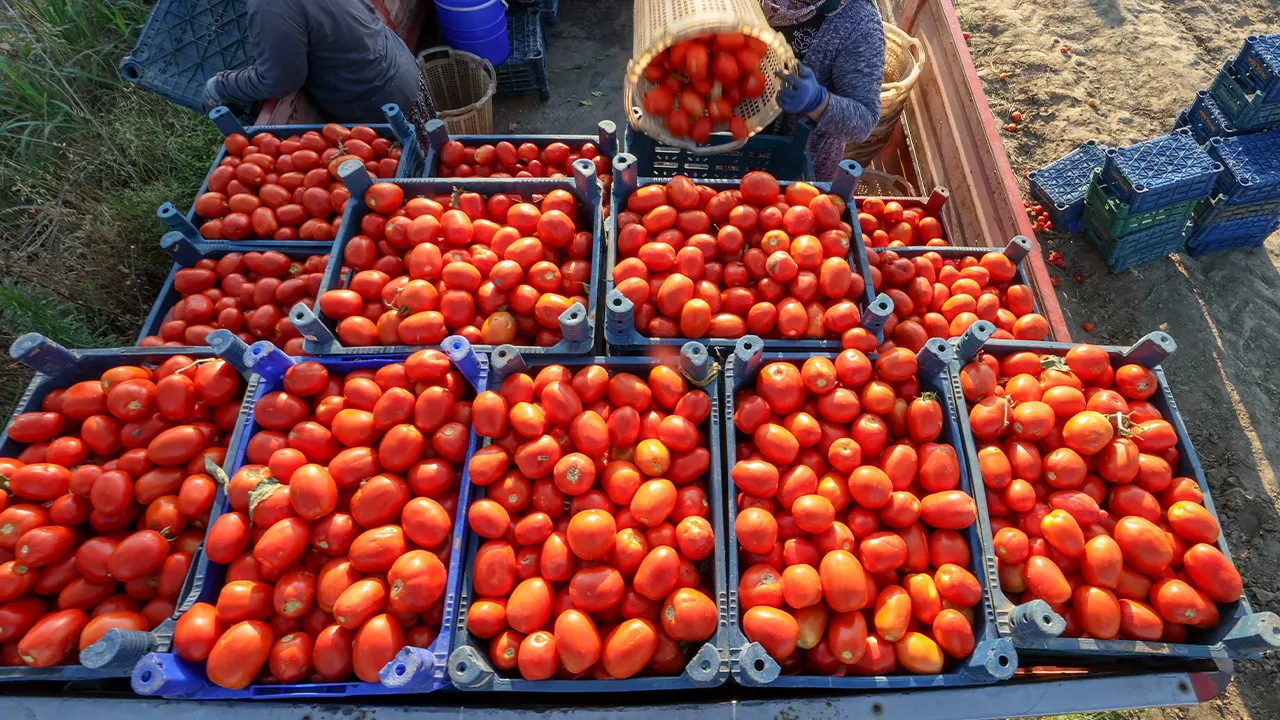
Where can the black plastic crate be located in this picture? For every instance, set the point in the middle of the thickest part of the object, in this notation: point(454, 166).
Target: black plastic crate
point(1251, 167)
point(548, 14)
point(1165, 170)
point(786, 158)
point(186, 42)
point(1060, 186)
point(525, 69)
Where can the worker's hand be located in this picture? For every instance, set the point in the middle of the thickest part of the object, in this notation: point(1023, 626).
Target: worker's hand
point(800, 93)
point(211, 99)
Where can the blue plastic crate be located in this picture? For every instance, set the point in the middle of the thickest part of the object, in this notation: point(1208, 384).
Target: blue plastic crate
point(1245, 232)
point(1217, 210)
point(786, 158)
point(56, 367)
point(708, 666)
point(1258, 64)
point(606, 141)
point(577, 324)
point(1060, 186)
point(1245, 109)
point(619, 313)
point(186, 253)
point(414, 670)
point(1251, 167)
point(525, 69)
point(993, 659)
point(396, 129)
point(1017, 249)
point(186, 42)
point(1207, 120)
point(1033, 626)
point(1162, 171)
point(1138, 248)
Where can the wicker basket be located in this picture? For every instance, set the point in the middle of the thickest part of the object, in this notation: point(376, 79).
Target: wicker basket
point(461, 87)
point(903, 60)
point(659, 24)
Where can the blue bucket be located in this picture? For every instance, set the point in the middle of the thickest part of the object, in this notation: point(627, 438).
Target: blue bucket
point(478, 27)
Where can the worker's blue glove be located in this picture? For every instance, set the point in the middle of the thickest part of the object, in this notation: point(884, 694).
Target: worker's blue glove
point(800, 94)
point(210, 99)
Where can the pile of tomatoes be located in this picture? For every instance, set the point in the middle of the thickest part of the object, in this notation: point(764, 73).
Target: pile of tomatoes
point(102, 512)
point(339, 530)
point(249, 294)
point(700, 263)
point(1087, 513)
point(850, 520)
point(288, 189)
point(889, 224)
point(596, 526)
point(494, 270)
point(941, 297)
point(525, 160)
point(699, 83)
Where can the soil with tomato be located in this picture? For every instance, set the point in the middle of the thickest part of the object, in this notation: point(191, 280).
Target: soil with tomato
point(249, 294)
point(104, 509)
point(495, 270)
point(851, 527)
point(595, 524)
point(339, 529)
point(1087, 509)
point(758, 259)
point(288, 189)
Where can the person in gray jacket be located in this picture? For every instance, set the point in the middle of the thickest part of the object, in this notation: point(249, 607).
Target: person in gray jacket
point(840, 44)
point(339, 51)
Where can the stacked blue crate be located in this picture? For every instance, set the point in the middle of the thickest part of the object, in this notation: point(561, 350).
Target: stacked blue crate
point(1245, 95)
point(1258, 65)
point(1138, 205)
point(1245, 207)
point(1060, 186)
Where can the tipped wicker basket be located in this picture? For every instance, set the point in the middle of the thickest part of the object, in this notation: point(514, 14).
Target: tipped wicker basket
point(903, 61)
point(659, 24)
point(461, 87)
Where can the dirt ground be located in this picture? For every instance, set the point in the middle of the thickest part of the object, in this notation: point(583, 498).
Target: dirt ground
point(1142, 61)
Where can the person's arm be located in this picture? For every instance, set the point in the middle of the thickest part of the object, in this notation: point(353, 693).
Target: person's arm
point(853, 107)
point(279, 40)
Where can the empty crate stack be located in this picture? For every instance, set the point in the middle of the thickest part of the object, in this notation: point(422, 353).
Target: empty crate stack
point(1245, 207)
point(1244, 97)
point(1139, 204)
point(1060, 187)
point(525, 70)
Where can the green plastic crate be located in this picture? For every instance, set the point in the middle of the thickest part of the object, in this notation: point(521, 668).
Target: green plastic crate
point(1115, 218)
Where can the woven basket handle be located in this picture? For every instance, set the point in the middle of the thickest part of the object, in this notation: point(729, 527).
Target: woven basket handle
point(915, 49)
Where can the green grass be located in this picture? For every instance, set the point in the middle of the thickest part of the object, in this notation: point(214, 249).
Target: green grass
point(85, 159)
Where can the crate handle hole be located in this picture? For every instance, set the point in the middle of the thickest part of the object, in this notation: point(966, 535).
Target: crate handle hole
point(146, 676)
point(877, 709)
point(1046, 619)
point(706, 664)
point(460, 667)
point(1003, 660)
point(759, 664)
point(400, 669)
